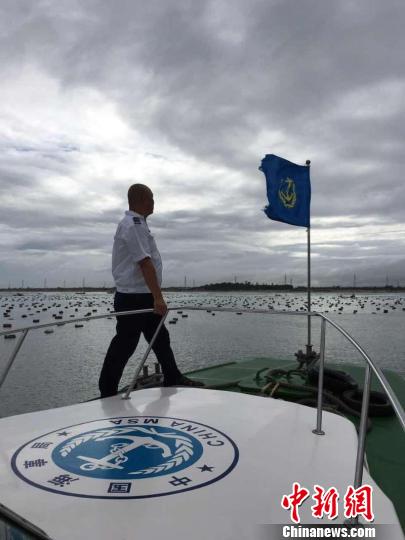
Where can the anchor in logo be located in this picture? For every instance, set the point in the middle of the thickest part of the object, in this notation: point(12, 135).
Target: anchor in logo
point(149, 438)
point(287, 192)
point(117, 455)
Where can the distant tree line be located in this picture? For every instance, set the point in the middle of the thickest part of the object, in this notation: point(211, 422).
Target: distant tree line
point(248, 286)
point(245, 286)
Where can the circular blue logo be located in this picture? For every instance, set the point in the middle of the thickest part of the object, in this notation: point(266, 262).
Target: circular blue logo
point(128, 452)
point(126, 457)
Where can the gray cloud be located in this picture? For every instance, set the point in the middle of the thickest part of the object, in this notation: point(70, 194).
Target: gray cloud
point(222, 84)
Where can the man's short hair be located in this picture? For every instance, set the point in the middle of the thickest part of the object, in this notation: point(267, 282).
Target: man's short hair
point(136, 192)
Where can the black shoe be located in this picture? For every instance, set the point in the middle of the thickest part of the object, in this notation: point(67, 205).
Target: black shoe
point(184, 381)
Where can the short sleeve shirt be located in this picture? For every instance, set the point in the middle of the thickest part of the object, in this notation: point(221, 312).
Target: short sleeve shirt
point(133, 242)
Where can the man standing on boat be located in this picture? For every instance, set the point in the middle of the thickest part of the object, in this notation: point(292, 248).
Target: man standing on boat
point(137, 271)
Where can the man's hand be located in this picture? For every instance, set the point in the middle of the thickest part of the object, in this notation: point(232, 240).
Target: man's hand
point(149, 274)
point(159, 306)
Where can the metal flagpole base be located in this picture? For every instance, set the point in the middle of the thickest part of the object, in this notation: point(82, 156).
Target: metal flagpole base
point(309, 358)
point(318, 432)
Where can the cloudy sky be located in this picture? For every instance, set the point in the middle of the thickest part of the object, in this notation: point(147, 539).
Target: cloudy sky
point(188, 96)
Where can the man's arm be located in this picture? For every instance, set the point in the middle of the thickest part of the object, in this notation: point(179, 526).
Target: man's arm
point(149, 274)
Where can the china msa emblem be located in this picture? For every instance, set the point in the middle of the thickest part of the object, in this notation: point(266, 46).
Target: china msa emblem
point(126, 458)
point(287, 193)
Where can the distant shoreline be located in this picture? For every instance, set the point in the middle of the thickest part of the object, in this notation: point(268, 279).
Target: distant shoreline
point(219, 288)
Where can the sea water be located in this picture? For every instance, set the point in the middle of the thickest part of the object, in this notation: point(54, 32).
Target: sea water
point(63, 367)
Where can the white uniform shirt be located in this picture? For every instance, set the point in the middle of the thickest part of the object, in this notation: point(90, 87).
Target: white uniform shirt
point(132, 243)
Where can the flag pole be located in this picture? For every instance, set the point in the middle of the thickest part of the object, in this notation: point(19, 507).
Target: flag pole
point(309, 345)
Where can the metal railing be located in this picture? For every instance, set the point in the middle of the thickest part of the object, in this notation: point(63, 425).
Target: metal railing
point(371, 367)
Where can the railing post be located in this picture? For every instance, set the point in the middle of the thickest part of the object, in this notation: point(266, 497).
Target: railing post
point(358, 477)
point(145, 356)
point(12, 357)
point(318, 429)
point(361, 446)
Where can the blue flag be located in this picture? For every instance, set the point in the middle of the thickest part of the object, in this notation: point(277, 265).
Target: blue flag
point(288, 191)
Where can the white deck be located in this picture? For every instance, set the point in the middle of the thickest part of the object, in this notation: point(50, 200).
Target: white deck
point(276, 448)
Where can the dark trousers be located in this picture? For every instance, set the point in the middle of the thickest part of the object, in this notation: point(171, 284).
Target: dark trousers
point(123, 344)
